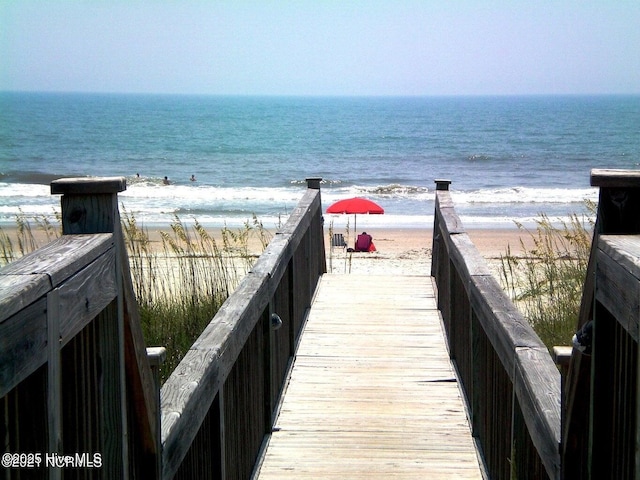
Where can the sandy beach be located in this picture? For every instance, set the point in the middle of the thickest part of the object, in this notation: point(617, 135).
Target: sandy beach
point(408, 251)
point(398, 251)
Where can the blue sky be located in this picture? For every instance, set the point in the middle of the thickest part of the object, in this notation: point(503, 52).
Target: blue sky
point(376, 47)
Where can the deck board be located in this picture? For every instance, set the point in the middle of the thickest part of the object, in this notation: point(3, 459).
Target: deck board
point(372, 393)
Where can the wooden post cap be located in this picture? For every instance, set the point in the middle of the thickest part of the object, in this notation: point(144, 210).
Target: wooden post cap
point(88, 185)
point(314, 183)
point(156, 355)
point(442, 184)
point(562, 355)
point(612, 178)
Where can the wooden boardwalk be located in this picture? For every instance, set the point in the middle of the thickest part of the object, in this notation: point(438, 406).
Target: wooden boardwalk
point(372, 392)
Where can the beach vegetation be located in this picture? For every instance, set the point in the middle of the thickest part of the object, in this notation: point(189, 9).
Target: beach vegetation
point(181, 284)
point(24, 240)
point(546, 280)
point(180, 281)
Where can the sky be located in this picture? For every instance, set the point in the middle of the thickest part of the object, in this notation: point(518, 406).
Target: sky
point(321, 47)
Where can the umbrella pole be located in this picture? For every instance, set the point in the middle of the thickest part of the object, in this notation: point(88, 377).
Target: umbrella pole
point(355, 230)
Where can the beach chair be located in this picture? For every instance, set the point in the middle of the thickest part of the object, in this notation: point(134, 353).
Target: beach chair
point(364, 243)
point(338, 240)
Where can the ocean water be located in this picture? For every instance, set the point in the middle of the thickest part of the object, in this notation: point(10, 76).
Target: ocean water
point(509, 158)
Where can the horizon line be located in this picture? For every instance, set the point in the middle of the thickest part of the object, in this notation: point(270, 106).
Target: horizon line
point(320, 95)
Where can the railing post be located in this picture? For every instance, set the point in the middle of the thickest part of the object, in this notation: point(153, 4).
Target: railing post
point(438, 267)
point(442, 184)
point(90, 205)
point(157, 356)
point(314, 182)
point(319, 251)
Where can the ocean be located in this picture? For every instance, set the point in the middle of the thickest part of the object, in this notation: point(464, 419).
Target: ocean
point(509, 159)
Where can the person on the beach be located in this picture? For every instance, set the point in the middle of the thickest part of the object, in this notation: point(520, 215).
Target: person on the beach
point(166, 181)
point(364, 243)
point(193, 178)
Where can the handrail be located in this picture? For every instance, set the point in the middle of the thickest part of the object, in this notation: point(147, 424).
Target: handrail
point(63, 388)
point(595, 406)
point(69, 326)
point(58, 323)
point(63, 265)
point(511, 383)
point(225, 390)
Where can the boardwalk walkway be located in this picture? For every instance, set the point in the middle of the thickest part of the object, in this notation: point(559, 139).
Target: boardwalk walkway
point(372, 392)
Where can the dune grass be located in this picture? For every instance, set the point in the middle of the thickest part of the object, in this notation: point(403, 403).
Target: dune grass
point(24, 241)
point(179, 285)
point(547, 279)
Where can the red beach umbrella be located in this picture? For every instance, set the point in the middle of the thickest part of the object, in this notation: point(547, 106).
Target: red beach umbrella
point(355, 206)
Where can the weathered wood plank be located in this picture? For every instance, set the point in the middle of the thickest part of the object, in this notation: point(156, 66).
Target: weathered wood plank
point(23, 333)
point(302, 215)
point(535, 373)
point(195, 383)
point(450, 223)
point(57, 260)
point(444, 200)
point(19, 291)
point(86, 294)
point(62, 257)
point(617, 279)
point(508, 334)
point(54, 370)
point(502, 322)
point(23, 344)
point(112, 413)
point(275, 258)
point(144, 384)
point(466, 257)
point(372, 393)
point(88, 185)
point(612, 178)
point(624, 249)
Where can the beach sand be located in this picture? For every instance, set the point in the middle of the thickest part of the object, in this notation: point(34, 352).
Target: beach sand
point(398, 251)
point(408, 251)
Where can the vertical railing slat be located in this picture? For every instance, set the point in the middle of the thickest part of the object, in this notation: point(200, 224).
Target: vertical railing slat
point(54, 380)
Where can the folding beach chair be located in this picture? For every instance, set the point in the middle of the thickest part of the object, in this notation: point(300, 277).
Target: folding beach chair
point(338, 240)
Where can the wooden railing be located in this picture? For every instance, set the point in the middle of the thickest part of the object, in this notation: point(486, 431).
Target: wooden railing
point(525, 426)
point(511, 384)
point(75, 377)
point(600, 432)
point(218, 404)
